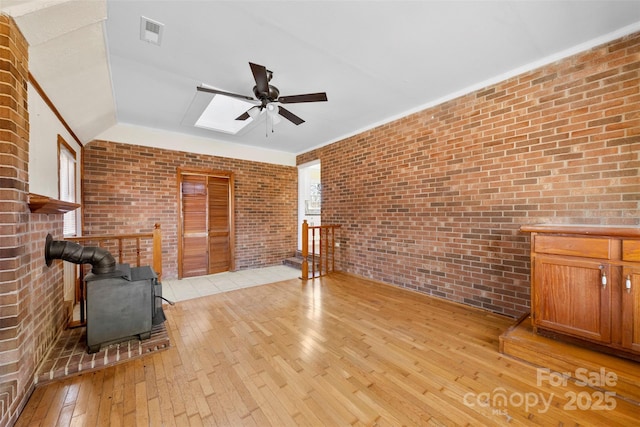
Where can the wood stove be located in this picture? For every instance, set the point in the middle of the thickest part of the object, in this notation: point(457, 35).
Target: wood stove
point(122, 302)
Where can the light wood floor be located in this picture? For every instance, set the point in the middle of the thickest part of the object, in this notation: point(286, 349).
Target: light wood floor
point(335, 351)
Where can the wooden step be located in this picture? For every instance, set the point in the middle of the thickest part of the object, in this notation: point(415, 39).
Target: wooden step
point(576, 362)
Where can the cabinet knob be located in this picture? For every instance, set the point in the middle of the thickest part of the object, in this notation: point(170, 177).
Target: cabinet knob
point(604, 279)
point(627, 283)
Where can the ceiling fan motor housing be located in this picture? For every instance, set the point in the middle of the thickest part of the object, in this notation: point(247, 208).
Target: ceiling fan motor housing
point(271, 96)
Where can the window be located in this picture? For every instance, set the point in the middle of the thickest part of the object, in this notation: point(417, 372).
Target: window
point(221, 112)
point(67, 180)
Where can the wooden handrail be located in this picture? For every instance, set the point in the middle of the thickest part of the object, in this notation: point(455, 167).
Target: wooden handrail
point(155, 235)
point(157, 251)
point(156, 256)
point(326, 250)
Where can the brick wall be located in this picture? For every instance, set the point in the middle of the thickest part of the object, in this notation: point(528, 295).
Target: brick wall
point(31, 310)
point(433, 201)
point(128, 188)
point(43, 297)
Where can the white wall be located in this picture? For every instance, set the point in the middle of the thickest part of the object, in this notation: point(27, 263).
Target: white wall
point(43, 148)
point(44, 128)
point(148, 137)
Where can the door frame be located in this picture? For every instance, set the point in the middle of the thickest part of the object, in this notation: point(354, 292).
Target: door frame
point(232, 228)
point(304, 180)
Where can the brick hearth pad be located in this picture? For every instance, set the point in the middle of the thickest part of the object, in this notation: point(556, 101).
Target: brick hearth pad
point(69, 354)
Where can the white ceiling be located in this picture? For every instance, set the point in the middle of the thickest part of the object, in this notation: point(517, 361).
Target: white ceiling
point(377, 60)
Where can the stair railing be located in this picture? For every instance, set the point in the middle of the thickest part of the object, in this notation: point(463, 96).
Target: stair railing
point(323, 248)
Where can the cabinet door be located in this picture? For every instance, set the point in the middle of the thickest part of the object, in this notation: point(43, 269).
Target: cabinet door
point(631, 308)
point(568, 297)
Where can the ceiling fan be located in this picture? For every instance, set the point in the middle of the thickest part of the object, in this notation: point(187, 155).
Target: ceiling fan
point(267, 96)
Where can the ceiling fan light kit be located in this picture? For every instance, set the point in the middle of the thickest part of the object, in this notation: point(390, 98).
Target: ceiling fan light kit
point(253, 112)
point(268, 96)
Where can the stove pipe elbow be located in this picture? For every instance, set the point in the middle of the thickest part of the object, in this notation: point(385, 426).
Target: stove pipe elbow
point(100, 259)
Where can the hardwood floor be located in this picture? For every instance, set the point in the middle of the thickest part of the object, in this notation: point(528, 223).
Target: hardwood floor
point(334, 351)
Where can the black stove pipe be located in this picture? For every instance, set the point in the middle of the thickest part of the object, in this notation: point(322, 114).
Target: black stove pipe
point(101, 260)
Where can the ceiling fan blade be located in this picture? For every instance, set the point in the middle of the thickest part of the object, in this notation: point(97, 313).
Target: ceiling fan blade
point(243, 116)
point(290, 116)
point(260, 76)
point(309, 97)
point(221, 92)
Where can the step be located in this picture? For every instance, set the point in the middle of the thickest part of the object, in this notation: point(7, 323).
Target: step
point(296, 261)
point(564, 359)
point(293, 262)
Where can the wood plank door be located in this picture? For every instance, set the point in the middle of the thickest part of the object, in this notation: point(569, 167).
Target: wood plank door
point(219, 225)
point(206, 223)
point(194, 225)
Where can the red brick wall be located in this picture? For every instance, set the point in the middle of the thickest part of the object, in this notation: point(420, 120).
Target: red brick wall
point(128, 188)
point(434, 201)
point(31, 309)
point(44, 295)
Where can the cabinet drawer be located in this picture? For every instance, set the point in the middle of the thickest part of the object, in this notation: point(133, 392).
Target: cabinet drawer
point(631, 250)
point(573, 246)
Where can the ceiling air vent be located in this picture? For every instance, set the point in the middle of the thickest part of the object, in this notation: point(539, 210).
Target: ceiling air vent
point(150, 30)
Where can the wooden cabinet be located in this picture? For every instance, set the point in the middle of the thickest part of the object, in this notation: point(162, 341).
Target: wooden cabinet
point(585, 284)
point(631, 309)
point(569, 297)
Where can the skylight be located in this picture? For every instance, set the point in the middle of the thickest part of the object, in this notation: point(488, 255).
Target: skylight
point(220, 115)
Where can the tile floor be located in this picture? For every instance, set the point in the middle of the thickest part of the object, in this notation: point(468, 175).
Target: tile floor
point(194, 287)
